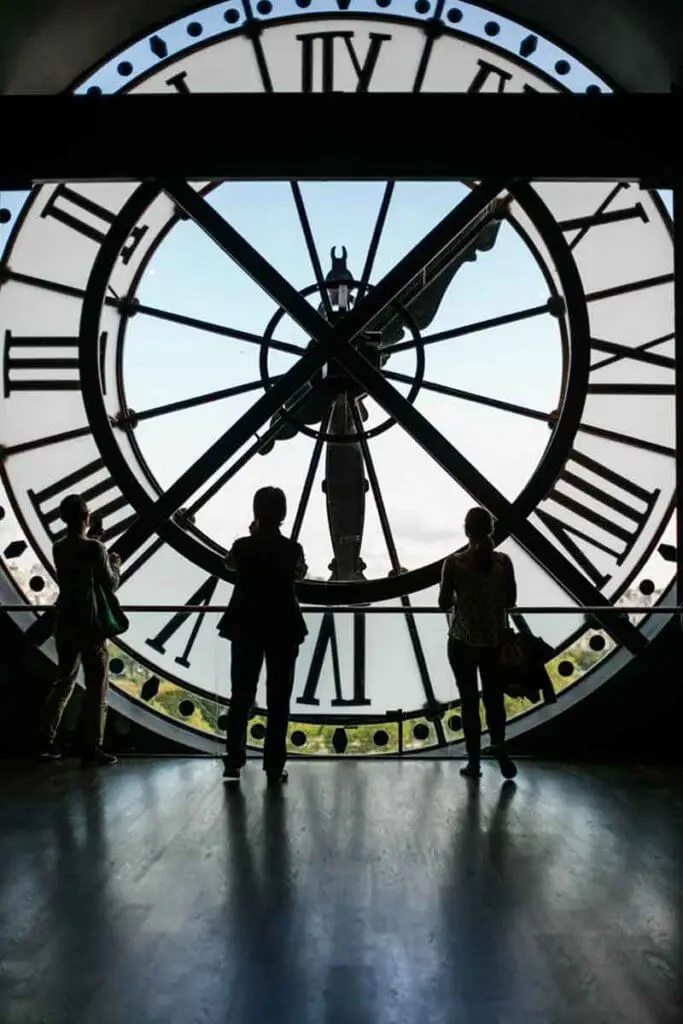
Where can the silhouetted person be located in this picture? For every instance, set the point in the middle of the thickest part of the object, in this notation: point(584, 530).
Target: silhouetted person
point(477, 586)
point(81, 563)
point(263, 621)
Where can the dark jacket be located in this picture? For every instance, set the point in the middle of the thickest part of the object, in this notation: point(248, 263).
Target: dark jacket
point(80, 563)
point(264, 602)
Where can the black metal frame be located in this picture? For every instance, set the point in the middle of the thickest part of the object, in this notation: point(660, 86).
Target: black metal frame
point(616, 138)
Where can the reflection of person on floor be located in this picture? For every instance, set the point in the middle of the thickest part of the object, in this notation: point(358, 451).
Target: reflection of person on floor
point(263, 621)
point(81, 563)
point(477, 587)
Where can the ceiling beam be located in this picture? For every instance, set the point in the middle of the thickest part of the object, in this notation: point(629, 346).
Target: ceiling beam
point(340, 135)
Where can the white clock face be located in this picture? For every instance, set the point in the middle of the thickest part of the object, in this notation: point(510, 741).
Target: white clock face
point(133, 342)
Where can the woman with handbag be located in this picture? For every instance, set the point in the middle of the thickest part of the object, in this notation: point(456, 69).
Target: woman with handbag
point(87, 613)
point(263, 622)
point(477, 587)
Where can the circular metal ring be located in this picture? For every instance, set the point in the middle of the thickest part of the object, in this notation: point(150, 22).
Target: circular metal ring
point(330, 436)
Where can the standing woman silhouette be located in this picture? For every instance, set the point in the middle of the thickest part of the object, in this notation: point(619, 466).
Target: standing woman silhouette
point(477, 587)
point(263, 621)
point(82, 563)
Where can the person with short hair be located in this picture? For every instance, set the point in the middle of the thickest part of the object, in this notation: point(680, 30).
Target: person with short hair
point(477, 588)
point(263, 622)
point(81, 562)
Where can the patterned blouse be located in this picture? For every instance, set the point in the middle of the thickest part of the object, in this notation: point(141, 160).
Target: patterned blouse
point(477, 601)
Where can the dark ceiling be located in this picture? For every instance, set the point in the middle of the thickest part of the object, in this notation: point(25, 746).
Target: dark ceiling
point(46, 44)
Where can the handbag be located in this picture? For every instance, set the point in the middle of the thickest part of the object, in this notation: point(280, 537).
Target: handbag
point(109, 619)
point(522, 659)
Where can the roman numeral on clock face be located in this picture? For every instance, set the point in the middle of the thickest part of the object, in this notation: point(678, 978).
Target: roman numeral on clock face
point(202, 596)
point(605, 214)
point(88, 218)
point(490, 78)
point(321, 53)
point(580, 527)
point(610, 353)
point(327, 640)
point(26, 361)
point(98, 490)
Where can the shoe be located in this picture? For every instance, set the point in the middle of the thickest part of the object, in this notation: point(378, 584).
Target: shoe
point(471, 771)
point(508, 768)
point(231, 774)
point(49, 752)
point(277, 778)
point(96, 757)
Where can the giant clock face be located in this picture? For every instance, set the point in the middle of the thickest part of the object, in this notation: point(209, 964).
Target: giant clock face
point(387, 352)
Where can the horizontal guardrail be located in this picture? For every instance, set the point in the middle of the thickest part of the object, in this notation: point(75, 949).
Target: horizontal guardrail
point(373, 610)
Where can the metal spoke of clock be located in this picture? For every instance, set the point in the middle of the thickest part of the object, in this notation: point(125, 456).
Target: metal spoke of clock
point(473, 328)
point(637, 352)
point(629, 287)
point(430, 38)
point(190, 403)
point(42, 282)
point(132, 307)
point(463, 472)
point(131, 418)
point(44, 442)
point(202, 325)
point(270, 435)
point(628, 439)
point(534, 414)
point(310, 475)
point(375, 488)
point(396, 566)
point(311, 246)
point(470, 396)
point(376, 239)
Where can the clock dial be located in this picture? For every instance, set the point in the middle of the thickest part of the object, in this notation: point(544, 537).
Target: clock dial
point(388, 352)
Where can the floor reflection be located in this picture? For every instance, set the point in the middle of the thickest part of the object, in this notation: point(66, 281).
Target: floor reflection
point(381, 893)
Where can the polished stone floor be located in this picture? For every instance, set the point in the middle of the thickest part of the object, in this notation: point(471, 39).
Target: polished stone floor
point(380, 893)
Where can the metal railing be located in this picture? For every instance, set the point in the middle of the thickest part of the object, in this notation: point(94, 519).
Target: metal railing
point(379, 610)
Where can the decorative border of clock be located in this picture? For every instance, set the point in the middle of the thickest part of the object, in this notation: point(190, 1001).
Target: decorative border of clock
point(169, 701)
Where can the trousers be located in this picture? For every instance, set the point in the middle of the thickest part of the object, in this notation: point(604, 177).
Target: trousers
point(248, 655)
point(73, 651)
point(465, 661)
